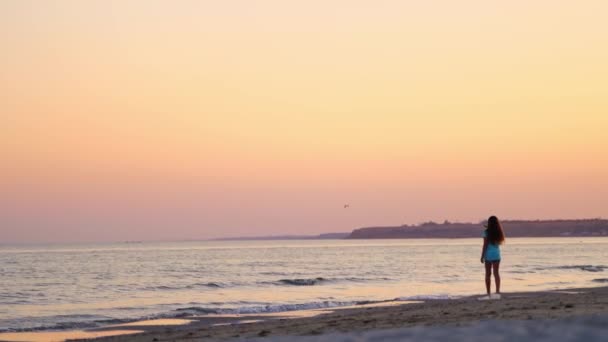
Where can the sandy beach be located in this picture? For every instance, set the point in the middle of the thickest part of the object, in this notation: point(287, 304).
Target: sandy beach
point(514, 307)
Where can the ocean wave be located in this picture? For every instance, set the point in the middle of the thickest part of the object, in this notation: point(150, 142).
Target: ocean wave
point(271, 308)
point(213, 285)
point(601, 280)
point(357, 279)
point(587, 268)
point(322, 280)
point(222, 285)
point(15, 302)
point(303, 281)
point(60, 322)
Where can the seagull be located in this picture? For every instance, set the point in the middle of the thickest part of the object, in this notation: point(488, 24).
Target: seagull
point(346, 206)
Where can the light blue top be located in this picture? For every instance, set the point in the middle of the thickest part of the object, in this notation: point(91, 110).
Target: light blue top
point(492, 251)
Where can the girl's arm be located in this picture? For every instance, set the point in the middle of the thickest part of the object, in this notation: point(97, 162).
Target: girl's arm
point(483, 250)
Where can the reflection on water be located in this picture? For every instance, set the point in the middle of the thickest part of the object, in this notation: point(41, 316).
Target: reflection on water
point(83, 286)
point(57, 336)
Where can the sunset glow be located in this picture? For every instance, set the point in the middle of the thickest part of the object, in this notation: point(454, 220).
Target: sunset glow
point(149, 120)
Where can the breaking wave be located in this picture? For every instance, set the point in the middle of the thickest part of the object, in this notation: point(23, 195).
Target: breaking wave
point(303, 282)
point(587, 268)
point(321, 280)
point(256, 309)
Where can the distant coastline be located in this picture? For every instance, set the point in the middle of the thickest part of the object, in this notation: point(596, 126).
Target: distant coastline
point(513, 228)
point(455, 230)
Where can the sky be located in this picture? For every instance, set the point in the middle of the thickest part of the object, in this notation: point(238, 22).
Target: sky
point(170, 120)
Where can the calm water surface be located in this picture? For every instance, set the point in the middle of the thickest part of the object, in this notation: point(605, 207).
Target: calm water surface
point(77, 286)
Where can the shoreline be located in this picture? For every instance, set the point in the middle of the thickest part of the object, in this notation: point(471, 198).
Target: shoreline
point(437, 312)
point(563, 303)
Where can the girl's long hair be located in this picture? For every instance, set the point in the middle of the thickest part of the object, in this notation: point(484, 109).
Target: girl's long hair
point(495, 234)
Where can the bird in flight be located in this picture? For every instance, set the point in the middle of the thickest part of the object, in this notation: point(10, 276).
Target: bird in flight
point(346, 206)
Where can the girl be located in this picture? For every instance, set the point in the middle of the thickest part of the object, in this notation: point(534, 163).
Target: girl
point(493, 237)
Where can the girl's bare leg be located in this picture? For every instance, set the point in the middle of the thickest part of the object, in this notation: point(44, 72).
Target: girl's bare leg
point(495, 266)
point(488, 276)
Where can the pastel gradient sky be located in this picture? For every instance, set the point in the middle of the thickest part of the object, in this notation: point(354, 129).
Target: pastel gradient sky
point(146, 120)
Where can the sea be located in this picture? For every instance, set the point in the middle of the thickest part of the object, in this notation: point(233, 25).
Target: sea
point(76, 286)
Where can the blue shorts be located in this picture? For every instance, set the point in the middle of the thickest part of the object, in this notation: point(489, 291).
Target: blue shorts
point(492, 261)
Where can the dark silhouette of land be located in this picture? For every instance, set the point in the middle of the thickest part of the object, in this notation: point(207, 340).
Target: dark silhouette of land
point(513, 228)
point(451, 230)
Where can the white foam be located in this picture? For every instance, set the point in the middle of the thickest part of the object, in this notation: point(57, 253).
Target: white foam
point(429, 297)
point(270, 308)
point(493, 296)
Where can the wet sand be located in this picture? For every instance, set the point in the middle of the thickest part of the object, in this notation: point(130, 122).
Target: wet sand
point(451, 312)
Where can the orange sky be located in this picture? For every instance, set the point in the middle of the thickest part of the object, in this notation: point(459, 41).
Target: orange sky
point(196, 119)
